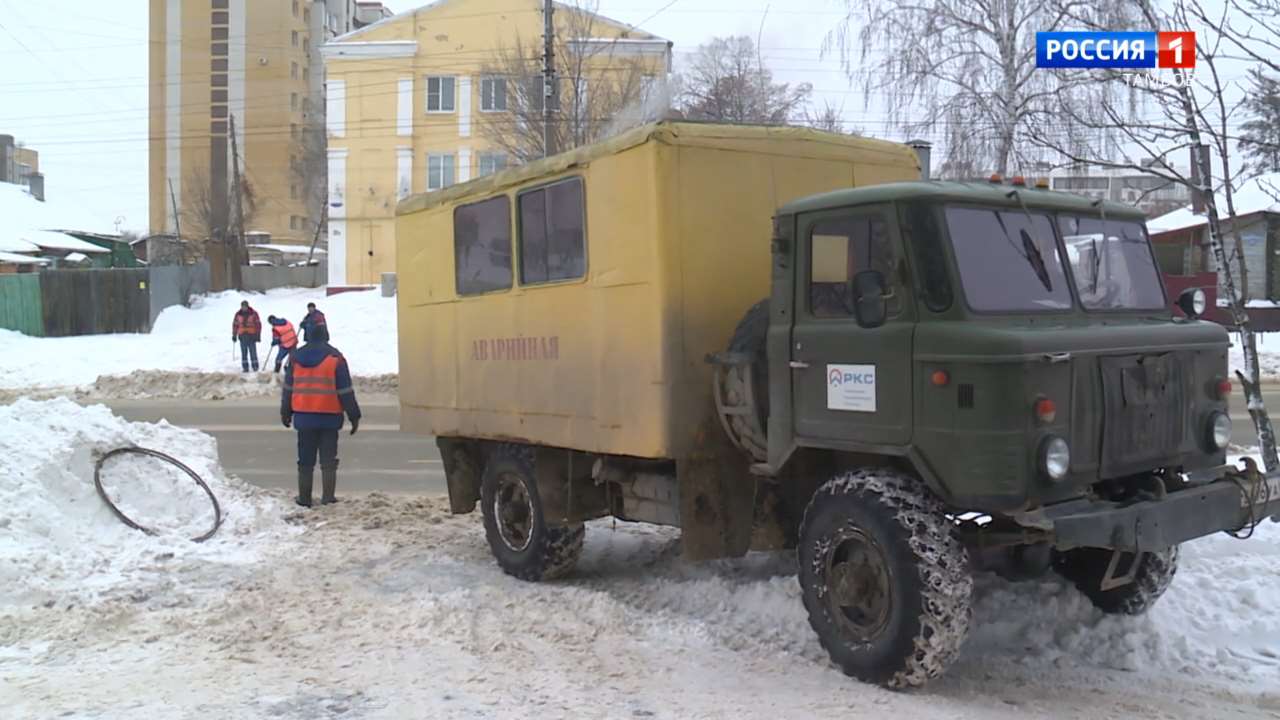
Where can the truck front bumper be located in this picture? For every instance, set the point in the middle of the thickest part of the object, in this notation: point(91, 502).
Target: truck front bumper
point(1235, 501)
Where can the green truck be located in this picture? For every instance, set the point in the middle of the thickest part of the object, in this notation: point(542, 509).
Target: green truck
point(946, 377)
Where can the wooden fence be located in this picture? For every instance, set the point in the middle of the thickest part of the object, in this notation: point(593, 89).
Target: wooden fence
point(92, 302)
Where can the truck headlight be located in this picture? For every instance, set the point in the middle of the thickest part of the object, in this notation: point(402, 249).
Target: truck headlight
point(1219, 431)
point(1055, 458)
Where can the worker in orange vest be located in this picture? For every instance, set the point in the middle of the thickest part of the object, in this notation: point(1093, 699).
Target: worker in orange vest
point(317, 391)
point(282, 335)
point(247, 328)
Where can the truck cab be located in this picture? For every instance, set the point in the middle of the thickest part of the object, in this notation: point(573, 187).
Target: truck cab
point(1013, 345)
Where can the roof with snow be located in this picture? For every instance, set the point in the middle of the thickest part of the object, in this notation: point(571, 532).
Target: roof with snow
point(287, 249)
point(22, 217)
point(16, 259)
point(49, 240)
point(1261, 194)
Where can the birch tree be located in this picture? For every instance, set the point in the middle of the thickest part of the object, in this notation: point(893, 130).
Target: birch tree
point(1182, 114)
point(962, 71)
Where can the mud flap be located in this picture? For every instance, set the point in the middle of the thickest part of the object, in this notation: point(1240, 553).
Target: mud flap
point(462, 471)
point(565, 488)
point(717, 499)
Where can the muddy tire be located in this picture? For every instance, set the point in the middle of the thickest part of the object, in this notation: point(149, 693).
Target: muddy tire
point(524, 545)
point(884, 578)
point(1085, 568)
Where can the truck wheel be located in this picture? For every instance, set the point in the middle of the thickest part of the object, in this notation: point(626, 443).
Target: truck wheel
point(885, 580)
point(524, 545)
point(1085, 568)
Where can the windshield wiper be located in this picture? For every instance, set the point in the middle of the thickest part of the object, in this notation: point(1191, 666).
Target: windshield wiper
point(1029, 252)
point(1097, 264)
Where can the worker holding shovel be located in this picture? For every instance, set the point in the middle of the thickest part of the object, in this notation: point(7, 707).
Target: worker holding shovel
point(283, 337)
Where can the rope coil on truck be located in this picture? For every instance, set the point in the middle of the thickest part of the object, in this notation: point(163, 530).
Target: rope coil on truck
point(135, 450)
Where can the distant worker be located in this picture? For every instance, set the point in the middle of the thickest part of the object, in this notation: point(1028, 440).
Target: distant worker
point(247, 328)
point(313, 320)
point(317, 391)
point(282, 336)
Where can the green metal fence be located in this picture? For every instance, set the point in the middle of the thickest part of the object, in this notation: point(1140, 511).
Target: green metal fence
point(21, 308)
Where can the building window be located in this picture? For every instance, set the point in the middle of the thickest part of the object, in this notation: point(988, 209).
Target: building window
point(221, 18)
point(218, 96)
point(218, 80)
point(293, 70)
point(295, 8)
point(306, 45)
point(440, 94)
point(295, 38)
point(218, 128)
point(293, 222)
point(493, 94)
point(218, 65)
point(218, 111)
point(306, 15)
point(219, 33)
point(218, 49)
point(552, 238)
point(293, 192)
point(440, 167)
point(482, 246)
point(293, 101)
point(490, 163)
point(293, 130)
point(306, 74)
point(220, 4)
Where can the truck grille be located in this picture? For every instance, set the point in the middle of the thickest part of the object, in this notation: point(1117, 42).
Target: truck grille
point(1145, 412)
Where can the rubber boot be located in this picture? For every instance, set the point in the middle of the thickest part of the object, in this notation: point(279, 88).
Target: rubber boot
point(305, 475)
point(328, 483)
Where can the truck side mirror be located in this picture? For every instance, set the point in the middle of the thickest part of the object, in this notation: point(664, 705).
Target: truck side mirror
point(869, 296)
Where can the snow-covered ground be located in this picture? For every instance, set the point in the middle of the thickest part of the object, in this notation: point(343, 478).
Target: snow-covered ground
point(1268, 356)
point(198, 340)
point(388, 607)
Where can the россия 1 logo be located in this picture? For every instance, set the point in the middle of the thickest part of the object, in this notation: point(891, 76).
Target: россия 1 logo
point(1117, 50)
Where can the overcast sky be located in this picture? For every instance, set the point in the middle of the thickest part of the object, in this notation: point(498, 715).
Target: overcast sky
point(74, 81)
point(74, 85)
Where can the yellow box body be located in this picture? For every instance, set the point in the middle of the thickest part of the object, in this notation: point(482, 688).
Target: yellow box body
point(678, 227)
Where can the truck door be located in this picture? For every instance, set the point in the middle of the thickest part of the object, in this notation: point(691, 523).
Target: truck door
point(850, 384)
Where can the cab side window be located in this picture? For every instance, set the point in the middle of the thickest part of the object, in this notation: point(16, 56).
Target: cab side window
point(839, 249)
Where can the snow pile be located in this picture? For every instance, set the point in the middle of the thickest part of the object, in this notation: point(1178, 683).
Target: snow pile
point(198, 340)
point(60, 541)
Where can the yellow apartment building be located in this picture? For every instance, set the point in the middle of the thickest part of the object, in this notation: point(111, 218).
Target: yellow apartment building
point(451, 91)
point(256, 60)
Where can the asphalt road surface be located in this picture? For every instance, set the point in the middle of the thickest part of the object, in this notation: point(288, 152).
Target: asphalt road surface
point(254, 446)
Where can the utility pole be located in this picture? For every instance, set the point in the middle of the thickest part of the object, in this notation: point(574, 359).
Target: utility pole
point(311, 254)
point(238, 238)
point(173, 202)
point(548, 78)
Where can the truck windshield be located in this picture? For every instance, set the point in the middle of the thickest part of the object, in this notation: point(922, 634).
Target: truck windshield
point(1112, 264)
point(1008, 260)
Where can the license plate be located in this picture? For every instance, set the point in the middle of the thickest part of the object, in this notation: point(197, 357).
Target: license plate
point(1270, 492)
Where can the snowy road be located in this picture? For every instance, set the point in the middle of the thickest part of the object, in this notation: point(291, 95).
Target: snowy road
point(253, 446)
point(390, 608)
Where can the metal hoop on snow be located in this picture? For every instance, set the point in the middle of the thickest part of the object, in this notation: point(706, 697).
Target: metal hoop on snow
point(102, 493)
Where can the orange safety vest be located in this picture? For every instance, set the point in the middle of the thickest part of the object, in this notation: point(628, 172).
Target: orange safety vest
point(315, 389)
point(288, 338)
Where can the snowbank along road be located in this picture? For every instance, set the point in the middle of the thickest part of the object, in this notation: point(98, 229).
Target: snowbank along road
point(384, 607)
